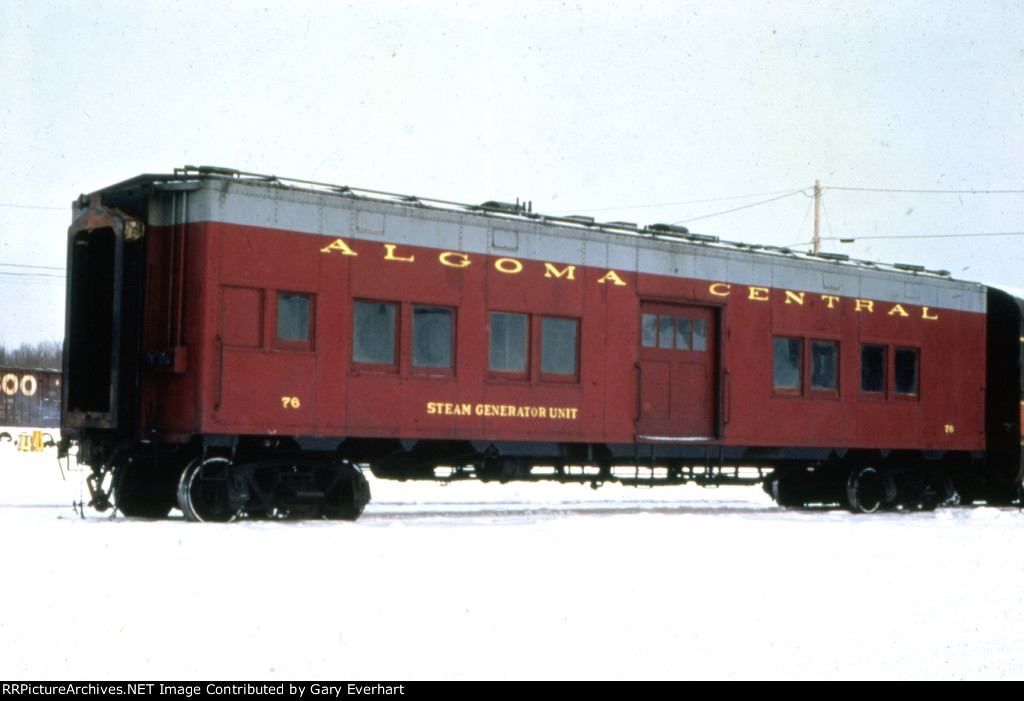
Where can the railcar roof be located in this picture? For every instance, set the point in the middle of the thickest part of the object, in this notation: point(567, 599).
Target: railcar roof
point(520, 211)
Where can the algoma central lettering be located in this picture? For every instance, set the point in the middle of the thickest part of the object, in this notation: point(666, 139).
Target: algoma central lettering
point(454, 259)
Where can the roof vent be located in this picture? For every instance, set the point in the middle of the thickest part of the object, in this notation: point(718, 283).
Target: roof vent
point(908, 267)
point(832, 256)
point(704, 238)
point(669, 228)
point(217, 170)
point(507, 207)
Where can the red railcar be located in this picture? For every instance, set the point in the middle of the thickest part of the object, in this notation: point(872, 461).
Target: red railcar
point(241, 344)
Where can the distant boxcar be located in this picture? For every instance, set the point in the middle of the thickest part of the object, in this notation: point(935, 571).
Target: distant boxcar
point(29, 398)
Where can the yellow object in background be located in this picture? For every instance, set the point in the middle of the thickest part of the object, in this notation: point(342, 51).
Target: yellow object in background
point(31, 442)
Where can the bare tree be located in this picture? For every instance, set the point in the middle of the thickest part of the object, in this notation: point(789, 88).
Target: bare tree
point(45, 355)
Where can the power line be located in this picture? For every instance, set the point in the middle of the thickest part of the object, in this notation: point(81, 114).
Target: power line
point(33, 206)
point(674, 204)
point(26, 265)
point(736, 209)
point(936, 236)
point(927, 192)
point(33, 276)
point(854, 239)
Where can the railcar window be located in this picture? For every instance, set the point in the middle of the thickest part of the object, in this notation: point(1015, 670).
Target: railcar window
point(293, 316)
point(683, 333)
point(700, 334)
point(432, 337)
point(665, 335)
point(905, 371)
point(373, 333)
point(824, 363)
point(872, 368)
point(508, 342)
point(787, 363)
point(649, 331)
point(558, 346)
point(680, 333)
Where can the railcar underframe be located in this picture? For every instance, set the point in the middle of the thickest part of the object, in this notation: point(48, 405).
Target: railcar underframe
point(191, 296)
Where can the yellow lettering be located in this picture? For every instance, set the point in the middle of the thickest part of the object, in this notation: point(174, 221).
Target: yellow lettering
point(551, 271)
point(508, 265)
point(924, 315)
point(720, 289)
point(28, 385)
point(514, 411)
point(391, 254)
point(830, 301)
point(797, 297)
point(461, 259)
point(897, 309)
point(759, 294)
point(431, 408)
point(338, 245)
point(864, 304)
point(613, 277)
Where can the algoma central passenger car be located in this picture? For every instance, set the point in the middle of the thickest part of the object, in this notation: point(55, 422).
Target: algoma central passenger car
point(241, 344)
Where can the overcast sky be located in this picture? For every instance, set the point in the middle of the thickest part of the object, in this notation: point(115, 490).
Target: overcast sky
point(601, 108)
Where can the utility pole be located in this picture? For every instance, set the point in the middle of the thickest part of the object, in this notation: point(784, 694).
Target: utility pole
point(817, 215)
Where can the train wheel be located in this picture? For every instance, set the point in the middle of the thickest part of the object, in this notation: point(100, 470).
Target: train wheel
point(204, 491)
point(347, 499)
point(864, 491)
point(141, 490)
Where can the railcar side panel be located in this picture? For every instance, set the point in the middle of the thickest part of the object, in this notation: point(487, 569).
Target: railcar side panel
point(368, 327)
point(256, 382)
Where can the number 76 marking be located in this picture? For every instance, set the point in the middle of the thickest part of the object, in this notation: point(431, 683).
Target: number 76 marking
point(290, 402)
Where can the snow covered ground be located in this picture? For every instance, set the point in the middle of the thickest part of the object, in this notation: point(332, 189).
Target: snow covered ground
point(477, 581)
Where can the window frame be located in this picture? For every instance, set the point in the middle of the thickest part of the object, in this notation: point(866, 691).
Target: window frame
point(888, 392)
point(871, 393)
point(533, 371)
point(907, 396)
point(574, 376)
point(796, 390)
point(287, 344)
point(836, 364)
point(692, 323)
point(433, 370)
point(805, 388)
point(505, 373)
point(370, 366)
